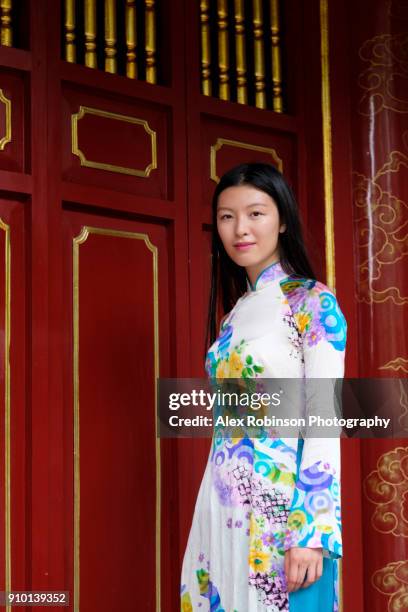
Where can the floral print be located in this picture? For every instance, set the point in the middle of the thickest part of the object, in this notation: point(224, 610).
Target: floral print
point(186, 605)
point(315, 513)
point(261, 496)
point(225, 364)
point(316, 312)
point(209, 590)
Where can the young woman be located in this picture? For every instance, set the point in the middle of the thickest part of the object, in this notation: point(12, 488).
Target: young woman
point(266, 530)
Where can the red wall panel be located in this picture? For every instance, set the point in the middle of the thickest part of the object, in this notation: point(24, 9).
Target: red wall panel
point(15, 443)
point(119, 145)
point(14, 122)
point(118, 338)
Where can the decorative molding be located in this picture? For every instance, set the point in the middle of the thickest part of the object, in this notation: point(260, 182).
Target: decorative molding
point(7, 408)
point(77, 241)
point(7, 137)
point(241, 145)
point(86, 110)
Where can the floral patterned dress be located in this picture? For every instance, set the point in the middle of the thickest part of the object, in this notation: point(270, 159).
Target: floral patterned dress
point(261, 496)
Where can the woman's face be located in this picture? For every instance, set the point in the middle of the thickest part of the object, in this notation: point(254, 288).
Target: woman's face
point(249, 217)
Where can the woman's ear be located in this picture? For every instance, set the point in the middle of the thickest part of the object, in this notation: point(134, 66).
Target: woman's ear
point(282, 228)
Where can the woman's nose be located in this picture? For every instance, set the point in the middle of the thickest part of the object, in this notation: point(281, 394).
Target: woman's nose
point(241, 226)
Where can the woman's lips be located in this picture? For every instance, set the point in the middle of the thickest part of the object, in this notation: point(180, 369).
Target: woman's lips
point(244, 247)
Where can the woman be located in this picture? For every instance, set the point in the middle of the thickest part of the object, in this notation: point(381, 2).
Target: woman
point(266, 531)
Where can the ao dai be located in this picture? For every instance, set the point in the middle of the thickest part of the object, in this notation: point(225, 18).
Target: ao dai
point(261, 496)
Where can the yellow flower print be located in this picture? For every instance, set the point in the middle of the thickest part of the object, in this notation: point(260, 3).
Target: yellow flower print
point(288, 478)
point(325, 528)
point(222, 369)
point(254, 528)
point(235, 365)
point(259, 560)
point(296, 519)
point(302, 320)
point(186, 605)
point(292, 284)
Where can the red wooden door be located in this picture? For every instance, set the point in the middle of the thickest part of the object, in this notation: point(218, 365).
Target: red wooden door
point(105, 185)
point(93, 205)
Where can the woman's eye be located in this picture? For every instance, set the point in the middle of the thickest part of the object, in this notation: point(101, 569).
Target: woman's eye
point(224, 216)
point(256, 212)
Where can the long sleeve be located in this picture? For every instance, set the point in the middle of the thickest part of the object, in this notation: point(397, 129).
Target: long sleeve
point(315, 514)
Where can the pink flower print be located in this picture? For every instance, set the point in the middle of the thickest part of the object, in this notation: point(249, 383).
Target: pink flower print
point(238, 523)
point(315, 335)
point(201, 557)
point(268, 538)
point(247, 532)
point(229, 523)
point(290, 539)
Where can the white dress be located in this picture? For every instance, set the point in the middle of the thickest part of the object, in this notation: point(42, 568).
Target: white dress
point(260, 496)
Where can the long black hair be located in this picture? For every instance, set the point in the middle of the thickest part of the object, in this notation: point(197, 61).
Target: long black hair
point(229, 279)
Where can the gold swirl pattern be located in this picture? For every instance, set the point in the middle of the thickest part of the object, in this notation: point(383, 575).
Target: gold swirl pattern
point(382, 227)
point(392, 581)
point(398, 9)
point(386, 74)
point(399, 363)
point(403, 418)
point(387, 489)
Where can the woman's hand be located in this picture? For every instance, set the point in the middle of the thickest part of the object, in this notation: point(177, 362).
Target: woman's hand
point(300, 560)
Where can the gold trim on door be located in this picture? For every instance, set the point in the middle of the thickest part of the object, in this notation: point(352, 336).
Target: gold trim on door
point(86, 110)
point(327, 146)
point(242, 145)
point(328, 181)
point(77, 241)
point(7, 137)
point(7, 435)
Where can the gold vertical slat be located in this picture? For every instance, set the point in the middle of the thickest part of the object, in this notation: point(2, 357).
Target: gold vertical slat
point(327, 146)
point(131, 39)
point(276, 57)
point(7, 424)
point(6, 27)
point(150, 45)
point(242, 95)
point(70, 49)
point(90, 34)
point(260, 96)
point(206, 87)
point(223, 55)
point(110, 36)
point(328, 182)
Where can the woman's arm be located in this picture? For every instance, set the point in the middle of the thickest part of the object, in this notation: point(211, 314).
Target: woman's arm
point(314, 520)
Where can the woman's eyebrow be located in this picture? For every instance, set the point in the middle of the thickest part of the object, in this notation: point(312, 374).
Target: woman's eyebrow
point(248, 206)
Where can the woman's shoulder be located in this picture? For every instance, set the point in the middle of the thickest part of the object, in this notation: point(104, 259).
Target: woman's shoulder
point(301, 291)
point(313, 304)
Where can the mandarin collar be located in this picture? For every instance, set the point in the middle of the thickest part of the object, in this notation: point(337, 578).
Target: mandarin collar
point(269, 274)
